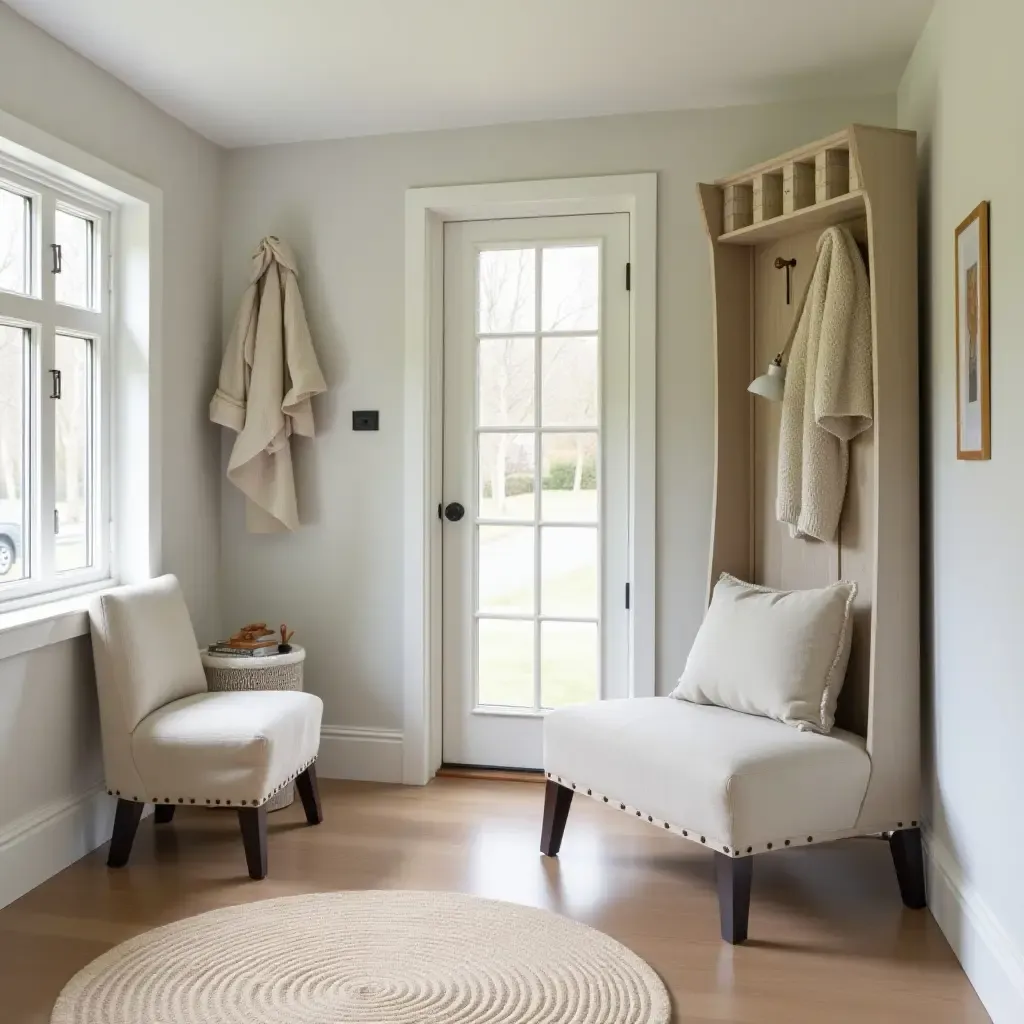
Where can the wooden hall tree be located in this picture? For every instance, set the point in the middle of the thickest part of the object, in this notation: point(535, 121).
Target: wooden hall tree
point(865, 179)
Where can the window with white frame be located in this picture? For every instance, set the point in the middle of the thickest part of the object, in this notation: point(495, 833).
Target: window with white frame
point(54, 354)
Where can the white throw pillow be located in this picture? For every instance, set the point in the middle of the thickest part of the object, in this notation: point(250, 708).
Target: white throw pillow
point(777, 653)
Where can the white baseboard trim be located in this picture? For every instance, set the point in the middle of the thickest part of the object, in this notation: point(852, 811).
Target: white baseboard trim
point(366, 755)
point(989, 956)
point(37, 846)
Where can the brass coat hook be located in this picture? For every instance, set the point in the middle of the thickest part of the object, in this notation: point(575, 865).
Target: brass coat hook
point(789, 265)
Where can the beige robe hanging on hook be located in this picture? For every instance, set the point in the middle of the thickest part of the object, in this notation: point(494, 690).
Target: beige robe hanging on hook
point(268, 376)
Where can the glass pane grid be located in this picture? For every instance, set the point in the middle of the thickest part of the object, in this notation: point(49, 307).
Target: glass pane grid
point(538, 514)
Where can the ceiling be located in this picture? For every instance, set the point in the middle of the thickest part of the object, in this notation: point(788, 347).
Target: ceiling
point(250, 72)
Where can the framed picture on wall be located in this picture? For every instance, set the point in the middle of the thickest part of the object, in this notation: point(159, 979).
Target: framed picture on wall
point(973, 415)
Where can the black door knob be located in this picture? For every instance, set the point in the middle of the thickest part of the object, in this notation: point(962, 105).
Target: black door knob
point(453, 511)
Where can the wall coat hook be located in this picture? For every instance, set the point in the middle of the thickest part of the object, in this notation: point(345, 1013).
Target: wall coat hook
point(789, 265)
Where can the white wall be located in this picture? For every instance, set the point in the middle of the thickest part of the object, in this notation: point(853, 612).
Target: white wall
point(340, 204)
point(49, 743)
point(962, 93)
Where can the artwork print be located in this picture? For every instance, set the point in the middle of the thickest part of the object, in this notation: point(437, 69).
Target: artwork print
point(973, 427)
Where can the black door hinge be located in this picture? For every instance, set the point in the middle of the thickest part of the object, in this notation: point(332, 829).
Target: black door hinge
point(629, 277)
point(627, 595)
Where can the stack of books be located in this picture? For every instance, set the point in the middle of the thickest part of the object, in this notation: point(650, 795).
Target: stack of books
point(225, 647)
point(252, 641)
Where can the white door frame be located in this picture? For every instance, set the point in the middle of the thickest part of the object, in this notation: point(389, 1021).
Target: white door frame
point(426, 211)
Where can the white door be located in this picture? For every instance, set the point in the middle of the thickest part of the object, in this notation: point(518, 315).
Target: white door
point(536, 453)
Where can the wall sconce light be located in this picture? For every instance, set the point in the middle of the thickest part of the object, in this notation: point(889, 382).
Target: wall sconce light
point(772, 383)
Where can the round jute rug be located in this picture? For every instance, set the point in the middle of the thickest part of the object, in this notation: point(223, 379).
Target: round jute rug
point(368, 958)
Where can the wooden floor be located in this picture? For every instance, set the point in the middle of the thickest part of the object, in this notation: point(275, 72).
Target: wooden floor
point(829, 938)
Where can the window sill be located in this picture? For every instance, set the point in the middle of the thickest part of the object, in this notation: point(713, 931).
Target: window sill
point(28, 629)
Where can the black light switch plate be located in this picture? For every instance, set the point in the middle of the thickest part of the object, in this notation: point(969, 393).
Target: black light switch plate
point(367, 419)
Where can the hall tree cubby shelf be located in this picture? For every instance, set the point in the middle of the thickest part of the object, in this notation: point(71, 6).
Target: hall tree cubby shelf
point(866, 179)
point(823, 177)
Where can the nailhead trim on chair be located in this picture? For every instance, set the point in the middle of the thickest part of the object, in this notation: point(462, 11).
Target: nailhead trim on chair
point(734, 851)
point(227, 803)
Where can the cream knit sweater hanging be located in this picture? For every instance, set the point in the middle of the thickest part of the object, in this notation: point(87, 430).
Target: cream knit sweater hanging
point(828, 398)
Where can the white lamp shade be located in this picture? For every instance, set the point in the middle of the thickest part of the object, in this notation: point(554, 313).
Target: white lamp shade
point(770, 385)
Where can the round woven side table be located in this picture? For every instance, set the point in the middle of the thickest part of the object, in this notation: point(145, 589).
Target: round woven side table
point(273, 672)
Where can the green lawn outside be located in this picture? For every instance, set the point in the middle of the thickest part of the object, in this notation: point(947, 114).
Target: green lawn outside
point(569, 587)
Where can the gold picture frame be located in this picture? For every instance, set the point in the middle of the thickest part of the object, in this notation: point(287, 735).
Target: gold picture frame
point(973, 374)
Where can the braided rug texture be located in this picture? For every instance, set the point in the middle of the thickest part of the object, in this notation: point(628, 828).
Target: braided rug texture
point(368, 958)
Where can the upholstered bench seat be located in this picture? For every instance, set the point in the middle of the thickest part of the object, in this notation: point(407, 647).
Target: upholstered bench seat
point(735, 782)
point(231, 748)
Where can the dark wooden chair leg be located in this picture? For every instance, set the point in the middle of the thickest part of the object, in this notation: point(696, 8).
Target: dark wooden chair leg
point(309, 794)
point(163, 813)
point(126, 823)
point(557, 801)
point(253, 821)
point(734, 875)
point(908, 858)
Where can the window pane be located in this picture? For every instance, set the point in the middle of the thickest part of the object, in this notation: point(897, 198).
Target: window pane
point(74, 282)
point(506, 382)
point(568, 571)
point(73, 485)
point(568, 663)
point(569, 478)
point(569, 288)
point(15, 218)
point(506, 568)
point(13, 464)
point(506, 476)
point(507, 290)
point(506, 662)
point(569, 375)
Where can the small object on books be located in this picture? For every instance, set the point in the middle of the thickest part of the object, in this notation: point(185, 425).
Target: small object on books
point(253, 636)
point(284, 647)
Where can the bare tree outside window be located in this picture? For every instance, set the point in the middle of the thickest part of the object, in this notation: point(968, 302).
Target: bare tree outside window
point(13, 353)
point(14, 241)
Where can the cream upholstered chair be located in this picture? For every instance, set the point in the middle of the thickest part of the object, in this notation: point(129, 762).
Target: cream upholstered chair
point(737, 784)
point(170, 742)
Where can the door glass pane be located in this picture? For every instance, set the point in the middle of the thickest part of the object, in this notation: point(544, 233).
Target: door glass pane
point(74, 236)
point(506, 382)
point(505, 662)
point(506, 297)
point(569, 288)
point(568, 570)
point(569, 382)
point(15, 218)
point(73, 451)
point(506, 476)
point(568, 663)
point(506, 569)
point(569, 478)
point(14, 343)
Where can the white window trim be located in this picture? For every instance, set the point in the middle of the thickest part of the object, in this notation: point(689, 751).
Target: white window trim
point(426, 211)
point(30, 310)
point(135, 341)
